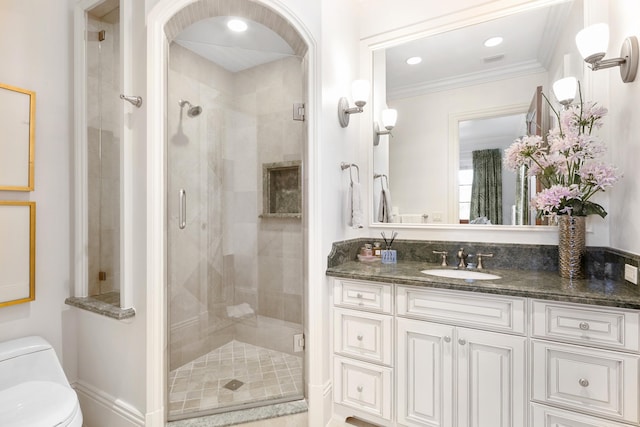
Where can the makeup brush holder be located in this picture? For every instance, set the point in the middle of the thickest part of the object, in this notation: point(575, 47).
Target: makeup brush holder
point(389, 256)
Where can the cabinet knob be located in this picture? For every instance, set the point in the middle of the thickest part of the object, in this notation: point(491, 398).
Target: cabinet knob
point(447, 338)
point(584, 326)
point(358, 295)
point(583, 382)
point(359, 337)
point(359, 388)
point(462, 341)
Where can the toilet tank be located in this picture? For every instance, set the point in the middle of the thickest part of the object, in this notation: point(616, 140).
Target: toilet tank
point(29, 359)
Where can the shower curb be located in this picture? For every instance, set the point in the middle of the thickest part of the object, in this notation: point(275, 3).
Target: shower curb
point(244, 415)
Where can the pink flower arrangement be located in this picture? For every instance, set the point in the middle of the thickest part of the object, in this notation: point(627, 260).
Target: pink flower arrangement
point(566, 163)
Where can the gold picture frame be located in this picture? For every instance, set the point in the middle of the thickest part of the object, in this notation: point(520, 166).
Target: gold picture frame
point(17, 252)
point(17, 138)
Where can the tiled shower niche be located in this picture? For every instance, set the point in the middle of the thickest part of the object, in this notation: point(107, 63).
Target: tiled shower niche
point(282, 190)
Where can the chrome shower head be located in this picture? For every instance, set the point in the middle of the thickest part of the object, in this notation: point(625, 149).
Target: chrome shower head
point(193, 111)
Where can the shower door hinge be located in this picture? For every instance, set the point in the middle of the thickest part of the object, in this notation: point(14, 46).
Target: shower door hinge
point(298, 343)
point(298, 111)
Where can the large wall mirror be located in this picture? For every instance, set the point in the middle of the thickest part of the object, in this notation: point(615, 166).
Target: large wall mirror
point(467, 100)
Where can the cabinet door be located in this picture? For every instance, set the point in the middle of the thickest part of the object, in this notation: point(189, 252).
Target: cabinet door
point(491, 385)
point(424, 369)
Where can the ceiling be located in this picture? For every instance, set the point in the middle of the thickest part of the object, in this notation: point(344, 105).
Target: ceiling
point(458, 58)
point(211, 39)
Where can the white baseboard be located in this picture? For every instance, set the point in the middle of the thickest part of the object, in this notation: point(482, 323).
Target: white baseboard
point(100, 409)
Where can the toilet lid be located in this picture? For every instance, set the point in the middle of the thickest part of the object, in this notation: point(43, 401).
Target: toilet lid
point(37, 404)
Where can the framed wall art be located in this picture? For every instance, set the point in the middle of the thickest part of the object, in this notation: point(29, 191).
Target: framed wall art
point(17, 252)
point(17, 138)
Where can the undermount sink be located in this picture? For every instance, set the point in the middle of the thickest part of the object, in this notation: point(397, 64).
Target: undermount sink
point(461, 274)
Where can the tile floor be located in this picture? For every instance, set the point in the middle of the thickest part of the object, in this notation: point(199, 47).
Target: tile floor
point(266, 374)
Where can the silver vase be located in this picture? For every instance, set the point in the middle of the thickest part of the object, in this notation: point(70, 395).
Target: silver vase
point(571, 246)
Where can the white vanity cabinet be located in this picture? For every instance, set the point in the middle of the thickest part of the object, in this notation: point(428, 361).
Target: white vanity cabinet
point(450, 375)
point(584, 365)
point(426, 357)
point(363, 350)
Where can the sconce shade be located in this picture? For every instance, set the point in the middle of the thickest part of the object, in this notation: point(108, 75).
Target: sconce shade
point(360, 92)
point(593, 42)
point(565, 90)
point(389, 118)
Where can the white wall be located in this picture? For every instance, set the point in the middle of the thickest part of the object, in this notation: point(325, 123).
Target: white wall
point(35, 47)
point(624, 127)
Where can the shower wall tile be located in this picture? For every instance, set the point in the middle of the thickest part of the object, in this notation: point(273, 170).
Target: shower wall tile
point(246, 207)
point(270, 304)
point(293, 308)
point(270, 273)
point(292, 276)
point(246, 275)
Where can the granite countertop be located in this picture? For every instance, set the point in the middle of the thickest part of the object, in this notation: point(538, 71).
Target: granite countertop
point(520, 283)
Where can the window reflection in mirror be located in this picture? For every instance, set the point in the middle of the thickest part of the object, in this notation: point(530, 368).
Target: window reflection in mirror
point(457, 78)
point(478, 139)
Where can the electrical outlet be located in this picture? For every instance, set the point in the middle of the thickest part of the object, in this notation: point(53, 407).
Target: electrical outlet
point(631, 273)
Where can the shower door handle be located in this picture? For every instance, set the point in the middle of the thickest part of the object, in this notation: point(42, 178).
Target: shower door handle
point(182, 214)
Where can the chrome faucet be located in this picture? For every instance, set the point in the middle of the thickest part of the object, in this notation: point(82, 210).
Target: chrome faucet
point(480, 256)
point(462, 257)
point(444, 257)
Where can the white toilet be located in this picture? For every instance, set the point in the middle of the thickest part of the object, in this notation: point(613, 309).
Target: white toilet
point(34, 391)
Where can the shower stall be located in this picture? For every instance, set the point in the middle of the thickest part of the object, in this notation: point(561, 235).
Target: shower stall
point(103, 151)
point(234, 261)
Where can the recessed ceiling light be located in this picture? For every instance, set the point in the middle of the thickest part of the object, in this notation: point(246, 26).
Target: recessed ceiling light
point(237, 25)
point(493, 41)
point(414, 60)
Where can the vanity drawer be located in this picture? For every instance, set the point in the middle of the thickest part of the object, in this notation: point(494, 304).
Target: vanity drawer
point(369, 296)
point(363, 335)
point(506, 314)
point(584, 324)
point(363, 386)
point(546, 416)
point(593, 381)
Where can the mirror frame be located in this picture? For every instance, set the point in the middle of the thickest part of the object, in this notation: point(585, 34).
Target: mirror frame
point(503, 233)
point(29, 184)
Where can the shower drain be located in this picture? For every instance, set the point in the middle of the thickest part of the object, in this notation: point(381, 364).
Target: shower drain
point(233, 385)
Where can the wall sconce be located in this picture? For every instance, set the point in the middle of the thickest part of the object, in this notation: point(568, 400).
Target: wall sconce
point(565, 90)
point(593, 42)
point(389, 118)
point(360, 94)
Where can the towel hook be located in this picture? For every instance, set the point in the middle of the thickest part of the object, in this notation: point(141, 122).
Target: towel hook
point(345, 165)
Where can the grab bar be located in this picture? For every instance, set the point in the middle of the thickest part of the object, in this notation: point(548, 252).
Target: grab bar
point(182, 213)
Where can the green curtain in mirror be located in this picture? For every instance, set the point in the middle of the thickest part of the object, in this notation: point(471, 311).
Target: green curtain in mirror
point(486, 190)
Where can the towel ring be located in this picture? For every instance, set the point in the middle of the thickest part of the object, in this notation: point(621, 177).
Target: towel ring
point(345, 165)
point(381, 175)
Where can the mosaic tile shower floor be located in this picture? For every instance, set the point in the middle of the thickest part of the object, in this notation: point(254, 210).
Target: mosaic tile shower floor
point(198, 386)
